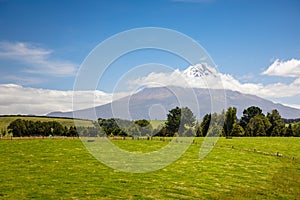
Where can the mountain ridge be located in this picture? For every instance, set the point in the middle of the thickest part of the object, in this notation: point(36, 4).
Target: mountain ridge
point(155, 102)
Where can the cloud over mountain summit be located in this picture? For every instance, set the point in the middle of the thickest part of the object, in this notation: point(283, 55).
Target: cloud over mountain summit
point(205, 76)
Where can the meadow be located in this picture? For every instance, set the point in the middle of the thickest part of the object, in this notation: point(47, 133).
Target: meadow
point(235, 169)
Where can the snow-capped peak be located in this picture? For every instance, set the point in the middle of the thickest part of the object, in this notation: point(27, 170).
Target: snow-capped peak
point(200, 70)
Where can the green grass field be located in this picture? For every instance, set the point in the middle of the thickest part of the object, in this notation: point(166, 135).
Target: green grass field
point(157, 123)
point(63, 169)
point(6, 120)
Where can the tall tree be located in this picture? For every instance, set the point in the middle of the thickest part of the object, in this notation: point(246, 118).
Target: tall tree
point(17, 128)
point(237, 130)
point(178, 119)
point(248, 114)
point(297, 130)
point(187, 117)
point(173, 121)
point(258, 126)
point(278, 126)
point(230, 120)
point(198, 130)
point(289, 131)
point(205, 124)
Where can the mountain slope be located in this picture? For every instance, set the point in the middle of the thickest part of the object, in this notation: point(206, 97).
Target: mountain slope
point(154, 103)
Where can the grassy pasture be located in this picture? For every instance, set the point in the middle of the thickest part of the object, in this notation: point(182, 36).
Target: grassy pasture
point(6, 120)
point(63, 169)
point(156, 123)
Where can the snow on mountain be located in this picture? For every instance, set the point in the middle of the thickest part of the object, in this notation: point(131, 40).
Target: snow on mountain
point(200, 70)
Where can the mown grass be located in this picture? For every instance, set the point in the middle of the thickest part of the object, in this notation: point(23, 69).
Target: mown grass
point(6, 120)
point(63, 169)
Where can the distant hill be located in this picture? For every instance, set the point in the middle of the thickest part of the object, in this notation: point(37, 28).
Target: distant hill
point(154, 103)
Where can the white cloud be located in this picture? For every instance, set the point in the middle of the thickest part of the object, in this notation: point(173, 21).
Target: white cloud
point(38, 59)
point(289, 68)
point(15, 99)
point(219, 81)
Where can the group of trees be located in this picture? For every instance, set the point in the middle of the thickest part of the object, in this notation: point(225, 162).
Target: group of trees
point(107, 127)
point(24, 128)
point(180, 122)
point(120, 127)
point(253, 123)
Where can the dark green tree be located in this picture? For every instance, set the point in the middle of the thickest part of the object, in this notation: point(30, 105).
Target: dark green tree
point(230, 120)
point(30, 128)
point(73, 131)
point(289, 131)
point(40, 128)
point(21, 128)
point(248, 114)
point(258, 126)
point(278, 125)
point(237, 130)
point(161, 130)
point(114, 126)
point(296, 128)
point(198, 130)
point(17, 128)
point(205, 124)
point(56, 128)
point(178, 119)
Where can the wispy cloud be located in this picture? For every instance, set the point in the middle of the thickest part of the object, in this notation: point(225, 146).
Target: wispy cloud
point(39, 60)
point(22, 80)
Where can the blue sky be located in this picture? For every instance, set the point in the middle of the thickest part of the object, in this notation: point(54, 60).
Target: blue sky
point(43, 43)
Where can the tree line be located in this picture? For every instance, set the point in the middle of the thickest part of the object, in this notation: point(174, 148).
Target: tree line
point(102, 127)
point(27, 128)
point(180, 122)
point(253, 123)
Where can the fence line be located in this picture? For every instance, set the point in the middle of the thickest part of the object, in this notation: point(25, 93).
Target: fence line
point(37, 138)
